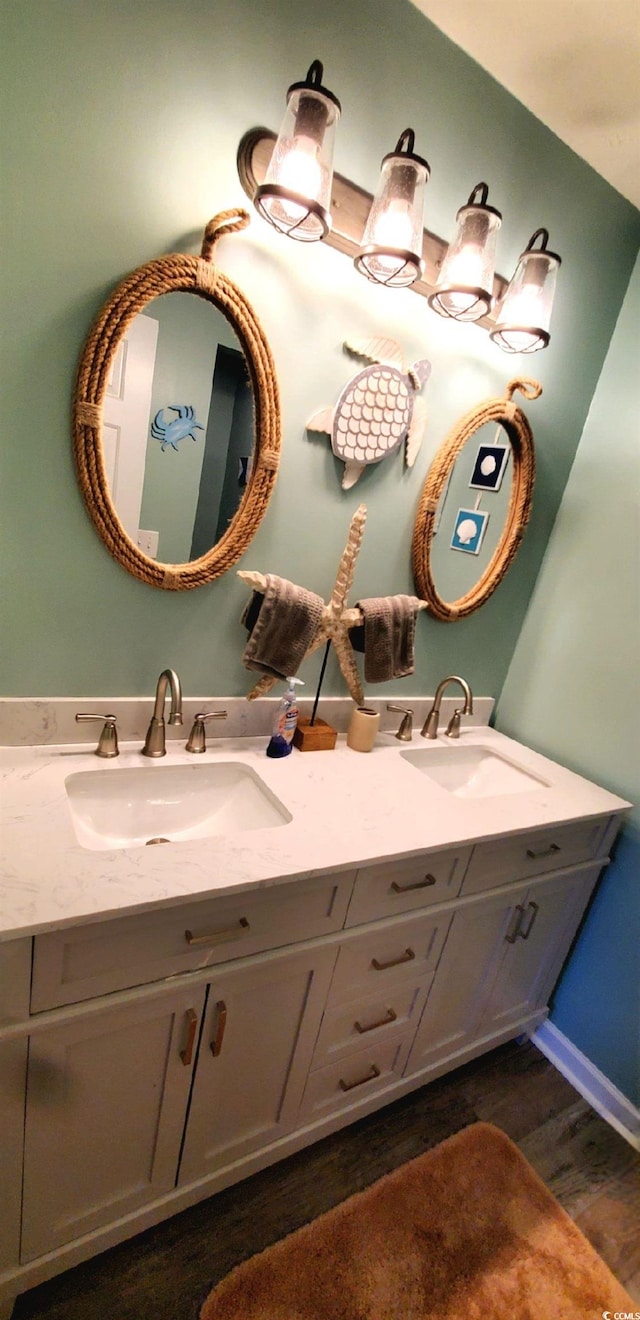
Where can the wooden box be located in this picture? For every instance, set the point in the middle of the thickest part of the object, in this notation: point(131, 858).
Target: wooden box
point(316, 737)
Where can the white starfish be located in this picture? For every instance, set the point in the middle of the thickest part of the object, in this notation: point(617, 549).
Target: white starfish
point(336, 619)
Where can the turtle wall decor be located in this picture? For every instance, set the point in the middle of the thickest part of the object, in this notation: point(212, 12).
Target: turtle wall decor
point(378, 409)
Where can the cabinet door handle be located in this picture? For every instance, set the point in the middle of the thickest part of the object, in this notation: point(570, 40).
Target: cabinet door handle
point(425, 883)
point(519, 931)
point(219, 936)
point(390, 1016)
point(373, 1072)
point(535, 908)
point(512, 936)
point(407, 956)
point(221, 1026)
point(192, 1024)
point(544, 852)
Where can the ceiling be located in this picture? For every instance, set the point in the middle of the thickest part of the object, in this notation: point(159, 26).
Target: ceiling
point(574, 63)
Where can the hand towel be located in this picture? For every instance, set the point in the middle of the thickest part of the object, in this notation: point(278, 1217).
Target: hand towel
point(282, 624)
point(387, 636)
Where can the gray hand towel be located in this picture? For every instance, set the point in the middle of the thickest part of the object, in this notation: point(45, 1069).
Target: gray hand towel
point(389, 628)
point(282, 624)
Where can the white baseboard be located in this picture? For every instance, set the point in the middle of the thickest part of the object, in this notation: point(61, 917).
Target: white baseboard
point(600, 1092)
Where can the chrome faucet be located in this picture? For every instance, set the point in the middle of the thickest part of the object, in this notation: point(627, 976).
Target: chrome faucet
point(154, 744)
point(430, 726)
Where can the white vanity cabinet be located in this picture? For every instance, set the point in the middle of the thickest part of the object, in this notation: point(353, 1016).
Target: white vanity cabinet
point(110, 1074)
point(173, 1052)
point(502, 957)
point(107, 1092)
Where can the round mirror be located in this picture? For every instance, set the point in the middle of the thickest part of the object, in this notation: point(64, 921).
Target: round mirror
point(176, 419)
point(475, 506)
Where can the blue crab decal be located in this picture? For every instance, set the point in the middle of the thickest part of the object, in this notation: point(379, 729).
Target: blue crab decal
point(171, 433)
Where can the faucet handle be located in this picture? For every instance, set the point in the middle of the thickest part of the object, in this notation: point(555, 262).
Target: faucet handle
point(196, 742)
point(405, 732)
point(108, 740)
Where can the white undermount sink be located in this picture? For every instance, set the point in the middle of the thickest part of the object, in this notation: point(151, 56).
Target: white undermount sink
point(473, 772)
point(166, 804)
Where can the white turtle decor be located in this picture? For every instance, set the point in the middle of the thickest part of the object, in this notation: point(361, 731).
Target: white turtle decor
point(377, 410)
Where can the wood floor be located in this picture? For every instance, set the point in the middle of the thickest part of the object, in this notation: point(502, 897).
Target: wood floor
point(165, 1273)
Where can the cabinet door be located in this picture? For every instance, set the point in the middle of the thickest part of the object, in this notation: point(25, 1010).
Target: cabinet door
point(13, 1071)
point(544, 923)
point(106, 1099)
point(259, 1033)
point(474, 949)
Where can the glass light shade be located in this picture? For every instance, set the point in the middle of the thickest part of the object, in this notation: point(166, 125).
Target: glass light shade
point(464, 289)
point(296, 194)
point(391, 248)
point(524, 315)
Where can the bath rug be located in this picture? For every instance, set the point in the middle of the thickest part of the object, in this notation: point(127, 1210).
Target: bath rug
point(466, 1232)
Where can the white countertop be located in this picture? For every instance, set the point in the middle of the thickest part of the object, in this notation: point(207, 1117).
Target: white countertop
point(347, 809)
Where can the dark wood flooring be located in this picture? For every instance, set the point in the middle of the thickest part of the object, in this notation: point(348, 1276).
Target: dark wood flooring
point(166, 1272)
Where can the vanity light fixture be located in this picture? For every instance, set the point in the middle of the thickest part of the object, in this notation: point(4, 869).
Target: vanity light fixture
point(524, 312)
point(391, 248)
point(464, 289)
point(290, 180)
point(296, 194)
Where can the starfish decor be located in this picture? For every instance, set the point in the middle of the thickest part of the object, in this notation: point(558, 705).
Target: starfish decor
point(336, 619)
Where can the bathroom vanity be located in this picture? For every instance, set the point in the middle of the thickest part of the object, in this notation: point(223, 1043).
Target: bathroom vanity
point(175, 1017)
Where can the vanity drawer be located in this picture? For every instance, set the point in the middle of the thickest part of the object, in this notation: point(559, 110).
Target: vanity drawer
point(368, 1021)
point(81, 962)
point(523, 855)
point(379, 958)
point(347, 1081)
point(404, 886)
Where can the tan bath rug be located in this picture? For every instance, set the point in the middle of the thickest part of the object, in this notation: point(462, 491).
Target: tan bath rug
point(466, 1232)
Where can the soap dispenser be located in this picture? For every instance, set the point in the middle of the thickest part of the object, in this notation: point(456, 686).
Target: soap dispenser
point(284, 724)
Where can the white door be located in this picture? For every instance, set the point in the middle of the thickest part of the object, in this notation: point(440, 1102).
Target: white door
point(539, 937)
point(454, 1013)
point(106, 1101)
point(126, 420)
point(13, 1072)
point(259, 1033)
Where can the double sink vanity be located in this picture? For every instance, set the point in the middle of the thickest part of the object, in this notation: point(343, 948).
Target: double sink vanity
point(210, 962)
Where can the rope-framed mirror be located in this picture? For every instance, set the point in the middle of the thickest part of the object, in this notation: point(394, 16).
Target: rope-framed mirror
point(101, 360)
point(506, 414)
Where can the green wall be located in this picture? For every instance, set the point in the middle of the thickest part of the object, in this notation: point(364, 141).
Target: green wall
point(572, 692)
point(122, 120)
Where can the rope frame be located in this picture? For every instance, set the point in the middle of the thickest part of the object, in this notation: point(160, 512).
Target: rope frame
point(506, 413)
point(177, 273)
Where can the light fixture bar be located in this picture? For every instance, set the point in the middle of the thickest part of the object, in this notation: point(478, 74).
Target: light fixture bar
point(350, 207)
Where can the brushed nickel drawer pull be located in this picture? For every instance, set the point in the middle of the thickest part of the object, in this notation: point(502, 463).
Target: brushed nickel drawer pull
point(407, 956)
point(390, 1016)
point(219, 936)
point(373, 1072)
point(192, 1023)
point(425, 883)
point(221, 1014)
point(513, 934)
point(524, 934)
point(544, 852)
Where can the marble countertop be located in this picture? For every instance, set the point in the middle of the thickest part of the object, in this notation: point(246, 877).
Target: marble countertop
point(347, 809)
